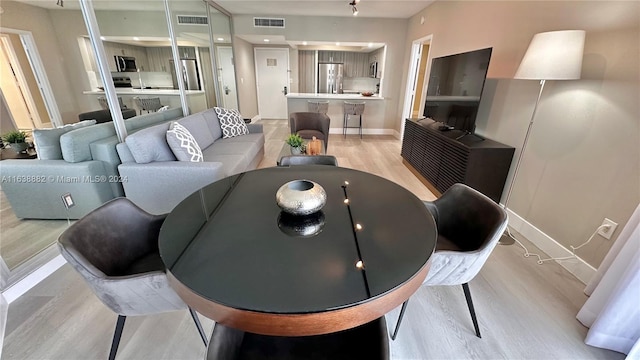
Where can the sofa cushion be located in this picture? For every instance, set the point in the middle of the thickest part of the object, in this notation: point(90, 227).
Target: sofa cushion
point(146, 120)
point(197, 126)
point(76, 144)
point(150, 144)
point(231, 122)
point(183, 144)
point(213, 123)
point(47, 141)
point(231, 164)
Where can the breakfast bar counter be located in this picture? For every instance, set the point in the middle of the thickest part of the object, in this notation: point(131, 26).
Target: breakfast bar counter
point(373, 119)
point(196, 98)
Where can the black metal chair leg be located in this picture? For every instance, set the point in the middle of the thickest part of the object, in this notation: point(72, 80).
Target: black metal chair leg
point(116, 337)
point(196, 320)
point(395, 332)
point(467, 295)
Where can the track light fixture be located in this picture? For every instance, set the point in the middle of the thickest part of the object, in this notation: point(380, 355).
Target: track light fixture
point(354, 9)
point(60, 3)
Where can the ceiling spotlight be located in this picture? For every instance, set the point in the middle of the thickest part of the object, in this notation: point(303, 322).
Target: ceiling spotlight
point(266, 40)
point(136, 38)
point(220, 39)
point(354, 9)
point(304, 43)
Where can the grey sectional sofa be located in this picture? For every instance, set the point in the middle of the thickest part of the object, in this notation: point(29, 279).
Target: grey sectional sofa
point(154, 180)
point(84, 165)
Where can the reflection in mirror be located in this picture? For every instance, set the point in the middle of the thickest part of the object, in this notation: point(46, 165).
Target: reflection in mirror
point(52, 95)
point(192, 35)
point(225, 72)
point(136, 39)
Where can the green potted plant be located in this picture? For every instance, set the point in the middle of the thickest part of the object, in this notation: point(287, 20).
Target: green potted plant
point(296, 143)
point(16, 140)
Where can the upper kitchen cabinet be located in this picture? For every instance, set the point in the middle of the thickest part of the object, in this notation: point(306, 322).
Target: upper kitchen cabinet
point(356, 64)
point(113, 49)
point(160, 57)
point(377, 57)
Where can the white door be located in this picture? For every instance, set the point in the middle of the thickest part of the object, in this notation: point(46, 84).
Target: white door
point(272, 76)
point(227, 78)
point(16, 93)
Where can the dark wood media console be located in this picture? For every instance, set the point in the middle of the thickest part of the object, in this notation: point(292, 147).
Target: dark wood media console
point(444, 158)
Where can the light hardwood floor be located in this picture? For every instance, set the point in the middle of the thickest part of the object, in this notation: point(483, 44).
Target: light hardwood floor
point(525, 310)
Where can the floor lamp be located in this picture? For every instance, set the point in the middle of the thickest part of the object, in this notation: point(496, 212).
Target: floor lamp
point(554, 55)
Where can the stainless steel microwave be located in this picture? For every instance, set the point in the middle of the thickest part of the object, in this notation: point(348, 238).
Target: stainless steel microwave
point(126, 63)
point(373, 69)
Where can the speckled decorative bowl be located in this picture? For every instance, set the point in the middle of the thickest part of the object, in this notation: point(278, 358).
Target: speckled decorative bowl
point(301, 197)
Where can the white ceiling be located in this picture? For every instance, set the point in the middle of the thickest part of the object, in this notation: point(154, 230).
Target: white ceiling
point(367, 8)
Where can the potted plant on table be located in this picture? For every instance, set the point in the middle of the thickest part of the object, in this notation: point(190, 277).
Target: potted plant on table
point(16, 140)
point(296, 143)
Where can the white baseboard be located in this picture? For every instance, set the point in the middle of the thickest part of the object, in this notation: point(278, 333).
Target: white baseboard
point(255, 118)
point(364, 131)
point(578, 267)
point(22, 286)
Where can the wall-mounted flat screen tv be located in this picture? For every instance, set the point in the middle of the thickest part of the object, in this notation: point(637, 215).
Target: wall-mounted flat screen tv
point(455, 88)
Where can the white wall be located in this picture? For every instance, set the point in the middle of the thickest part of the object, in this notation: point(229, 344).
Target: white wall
point(344, 29)
point(582, 161)
point(39, 22)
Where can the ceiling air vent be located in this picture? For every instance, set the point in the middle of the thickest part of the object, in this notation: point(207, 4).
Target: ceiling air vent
point(192, 20)
point(268, 22)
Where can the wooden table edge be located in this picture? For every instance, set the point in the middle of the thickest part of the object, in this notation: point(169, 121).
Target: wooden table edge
point(300, 324)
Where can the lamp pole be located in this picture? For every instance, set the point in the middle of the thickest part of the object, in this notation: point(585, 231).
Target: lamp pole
point(506, 238)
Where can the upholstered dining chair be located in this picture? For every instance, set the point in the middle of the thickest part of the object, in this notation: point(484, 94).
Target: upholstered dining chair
point(469, 227)
point(368, 341)
point(115, 250)
point(310, 124)
point(308, 160)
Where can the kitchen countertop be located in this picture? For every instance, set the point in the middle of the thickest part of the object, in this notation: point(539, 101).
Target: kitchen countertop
point(134, 92)
point(333, 96)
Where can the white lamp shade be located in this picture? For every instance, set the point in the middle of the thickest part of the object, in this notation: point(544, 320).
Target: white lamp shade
point(554, 55)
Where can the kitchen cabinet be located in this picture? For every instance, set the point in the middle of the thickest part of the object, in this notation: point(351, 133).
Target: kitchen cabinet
point(377, 55)
point(159, 57)
point(356, 64)
point(115, 49)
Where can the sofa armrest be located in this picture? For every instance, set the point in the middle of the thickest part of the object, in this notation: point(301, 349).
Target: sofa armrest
point(158, 187)
point(34, 187)
point(255, 128)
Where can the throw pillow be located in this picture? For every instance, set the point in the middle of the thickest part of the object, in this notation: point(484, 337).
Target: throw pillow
point(183, 144)
point(231, 123)
point(47, 141)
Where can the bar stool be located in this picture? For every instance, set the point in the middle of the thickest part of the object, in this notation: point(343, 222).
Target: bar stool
point(148, 104)
point(105, 105)
point(355, 109)
point(318, 106)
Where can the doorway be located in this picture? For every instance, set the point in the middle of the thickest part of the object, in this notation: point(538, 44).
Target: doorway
point(227, 78)
point(23, 99)
point(272, 80)
point(415, 94)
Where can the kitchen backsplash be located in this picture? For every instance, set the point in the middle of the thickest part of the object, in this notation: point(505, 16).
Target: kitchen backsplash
point(149, 79)
point(360, 84)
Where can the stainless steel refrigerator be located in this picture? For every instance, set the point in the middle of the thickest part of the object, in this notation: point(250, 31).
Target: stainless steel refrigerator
point(330, 78)
point(189, 74)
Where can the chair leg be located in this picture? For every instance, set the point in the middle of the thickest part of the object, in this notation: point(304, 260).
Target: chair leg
point(467, 295)
point(116, 337)
point(344, 125)
point(196, 320)
point(395, 332)
point(360, 126)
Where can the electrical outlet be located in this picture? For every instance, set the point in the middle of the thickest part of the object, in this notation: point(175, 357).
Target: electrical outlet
point(606, 232)
point(67, 200)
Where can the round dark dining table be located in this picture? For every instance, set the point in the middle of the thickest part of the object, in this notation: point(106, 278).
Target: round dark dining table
point(235, 257)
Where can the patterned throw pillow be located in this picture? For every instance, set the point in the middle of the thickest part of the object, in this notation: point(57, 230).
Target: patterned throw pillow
point(231, 122)
point(182, 143)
